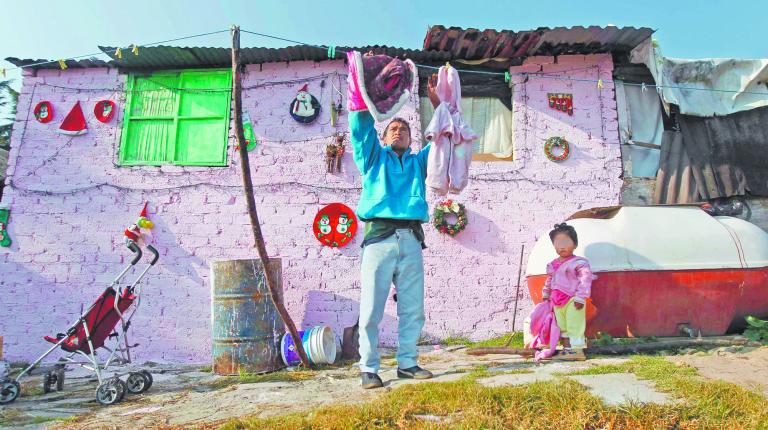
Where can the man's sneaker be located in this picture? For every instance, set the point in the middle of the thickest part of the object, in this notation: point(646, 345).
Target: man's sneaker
point(414, 372)
point(370, 380)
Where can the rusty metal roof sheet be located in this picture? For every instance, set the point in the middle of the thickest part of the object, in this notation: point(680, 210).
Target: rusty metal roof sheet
point(474, 44)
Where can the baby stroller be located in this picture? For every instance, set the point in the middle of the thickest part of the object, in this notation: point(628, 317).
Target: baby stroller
point(90, 332)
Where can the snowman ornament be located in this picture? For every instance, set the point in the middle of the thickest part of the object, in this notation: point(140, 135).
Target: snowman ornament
point(305, 108)
point(343, 227)
point(325, 227)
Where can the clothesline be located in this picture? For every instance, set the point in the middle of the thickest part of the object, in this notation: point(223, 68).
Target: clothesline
point(331, 49)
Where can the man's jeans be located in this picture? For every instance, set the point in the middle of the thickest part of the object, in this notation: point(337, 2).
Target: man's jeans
point(396, 260)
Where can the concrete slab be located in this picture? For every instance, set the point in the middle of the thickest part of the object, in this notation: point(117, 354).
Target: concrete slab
point(621, 388)
point(515, 379)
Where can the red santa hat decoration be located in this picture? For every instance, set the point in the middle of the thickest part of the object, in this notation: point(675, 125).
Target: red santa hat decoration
point(74, 124)
point(133, 233)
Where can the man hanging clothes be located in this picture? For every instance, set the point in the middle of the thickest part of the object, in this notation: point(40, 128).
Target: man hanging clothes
point(393, 205)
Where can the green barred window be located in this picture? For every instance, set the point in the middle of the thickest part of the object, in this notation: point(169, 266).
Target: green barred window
point(179, 117)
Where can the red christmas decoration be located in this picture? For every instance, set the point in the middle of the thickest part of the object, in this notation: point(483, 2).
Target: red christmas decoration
point(104, 110)
point(335, 225)
point(561, 102)
point(74, 124)
point(44, 112)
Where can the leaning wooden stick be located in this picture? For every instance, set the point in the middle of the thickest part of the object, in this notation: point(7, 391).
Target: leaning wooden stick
point(517, 295)
point(248, 185)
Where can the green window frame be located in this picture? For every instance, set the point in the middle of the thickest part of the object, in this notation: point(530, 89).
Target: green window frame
point(177, 117)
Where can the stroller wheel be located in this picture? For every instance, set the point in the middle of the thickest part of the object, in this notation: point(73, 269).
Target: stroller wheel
point(137, 383)
point(60, 380)
point(149, 377)
point(110, 391)
point(48, 381)
point(9, 391)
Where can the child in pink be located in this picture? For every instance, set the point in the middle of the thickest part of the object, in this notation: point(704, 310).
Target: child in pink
point(568, 286)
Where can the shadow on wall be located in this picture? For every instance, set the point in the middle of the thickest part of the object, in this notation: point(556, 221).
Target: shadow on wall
point(479, 229)
point(339, 312)
point(173, 256)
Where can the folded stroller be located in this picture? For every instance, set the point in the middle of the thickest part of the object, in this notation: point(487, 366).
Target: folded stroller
point(90, 333)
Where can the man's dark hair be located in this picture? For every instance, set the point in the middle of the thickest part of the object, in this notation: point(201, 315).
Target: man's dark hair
point(567, 229)
point(401, 121)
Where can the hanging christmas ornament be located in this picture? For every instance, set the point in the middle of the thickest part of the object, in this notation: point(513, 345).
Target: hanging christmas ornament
point(74, 124)
point(559, 144)
point(133, 233)
point(250, 136)
point(104, 110)
point(449, 207)
point(561, 102)
point(334, 153)
point(44, 112)
point(5, 214)
point(305, 108)
point(335, 225)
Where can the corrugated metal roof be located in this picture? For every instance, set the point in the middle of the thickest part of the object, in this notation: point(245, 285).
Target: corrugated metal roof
point(166, 57)
point(474, 44)
point(440, 44)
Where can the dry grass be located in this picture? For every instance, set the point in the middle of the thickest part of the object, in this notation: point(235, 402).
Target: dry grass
point(556, 404)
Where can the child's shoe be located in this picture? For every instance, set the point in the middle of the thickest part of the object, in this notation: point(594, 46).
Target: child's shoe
point(571, 355)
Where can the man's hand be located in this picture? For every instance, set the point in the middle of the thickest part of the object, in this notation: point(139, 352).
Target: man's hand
point(432, 91)
point(578, 305)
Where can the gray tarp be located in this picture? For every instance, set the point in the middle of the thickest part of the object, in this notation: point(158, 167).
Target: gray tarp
point(714, 157)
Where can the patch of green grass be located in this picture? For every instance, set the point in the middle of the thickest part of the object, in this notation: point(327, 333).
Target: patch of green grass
point(14, 417)
point(552, 404)
point(499, 341)
point(207, 369)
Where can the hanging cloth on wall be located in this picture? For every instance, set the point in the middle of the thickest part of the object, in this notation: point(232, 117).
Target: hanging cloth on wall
point(452, 138)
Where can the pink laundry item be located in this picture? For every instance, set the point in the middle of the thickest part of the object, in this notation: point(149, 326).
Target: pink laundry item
point(572, 278)
point(544, 329)
point(379, 83)
point(452, 138)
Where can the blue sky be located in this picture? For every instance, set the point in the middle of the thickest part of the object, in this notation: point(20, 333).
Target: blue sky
point(690, 29)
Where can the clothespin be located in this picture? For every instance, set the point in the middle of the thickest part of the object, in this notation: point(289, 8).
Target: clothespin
point(119, 53)
point(135, 49)
point(331, 52)
point(63, 65)
point(599, 84)
point(658, 88)
point(3, 72)
point(506, 77)
point(643, 88)
point(447, 66)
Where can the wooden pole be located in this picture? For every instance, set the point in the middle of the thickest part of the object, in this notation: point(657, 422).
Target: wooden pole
point(517, 294)
point(245, 167)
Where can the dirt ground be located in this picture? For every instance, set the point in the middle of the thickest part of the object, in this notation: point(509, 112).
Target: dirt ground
point(188, 397)
point(746, 369)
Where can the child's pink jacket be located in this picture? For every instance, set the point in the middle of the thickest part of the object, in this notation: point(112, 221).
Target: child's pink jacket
point(574, 278)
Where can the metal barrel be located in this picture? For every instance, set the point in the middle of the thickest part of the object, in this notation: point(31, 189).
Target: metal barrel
point(246, 326)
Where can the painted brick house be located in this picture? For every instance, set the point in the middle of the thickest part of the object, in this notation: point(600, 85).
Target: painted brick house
point(171, 144)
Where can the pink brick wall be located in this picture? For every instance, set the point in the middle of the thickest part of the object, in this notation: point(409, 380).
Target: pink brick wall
point(67, 247)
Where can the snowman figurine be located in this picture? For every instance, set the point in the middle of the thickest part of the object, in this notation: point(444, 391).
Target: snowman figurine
point(302, 106)
point(343, 227)
point(325, 227)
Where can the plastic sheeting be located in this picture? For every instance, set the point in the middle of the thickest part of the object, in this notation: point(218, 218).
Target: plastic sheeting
point(640, 121)
point(703, 81)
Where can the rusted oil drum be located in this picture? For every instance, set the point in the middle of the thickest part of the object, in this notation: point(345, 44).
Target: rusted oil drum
point(246, 326)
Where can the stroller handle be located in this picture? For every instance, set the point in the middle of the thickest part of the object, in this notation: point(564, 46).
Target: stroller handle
point(156, 255)
point(136, 250)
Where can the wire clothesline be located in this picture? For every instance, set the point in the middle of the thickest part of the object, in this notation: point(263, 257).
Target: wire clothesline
point(331, 49)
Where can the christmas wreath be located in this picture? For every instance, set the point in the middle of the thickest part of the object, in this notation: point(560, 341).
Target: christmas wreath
point(557, 142)
point(446, 208)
